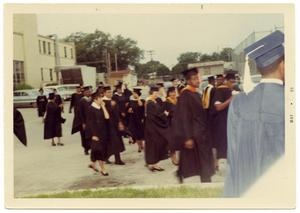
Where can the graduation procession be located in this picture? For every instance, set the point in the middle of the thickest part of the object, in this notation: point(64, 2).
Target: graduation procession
point(224, 129)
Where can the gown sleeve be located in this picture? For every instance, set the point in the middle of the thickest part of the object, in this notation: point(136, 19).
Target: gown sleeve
point(230, 182)
point(155, 115)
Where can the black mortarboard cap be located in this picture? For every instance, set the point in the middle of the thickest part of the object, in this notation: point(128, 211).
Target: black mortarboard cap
point(189, 72)
point(230, 76)
point(211, 78)
point(266, 50)
point(107, 87)
point(137, 91)
point(160, 84)
point(51, 96)
point(154, 88)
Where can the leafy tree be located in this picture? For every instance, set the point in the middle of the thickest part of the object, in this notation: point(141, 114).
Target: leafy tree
point(92, 47)
point(226, 53)
point(152, 67)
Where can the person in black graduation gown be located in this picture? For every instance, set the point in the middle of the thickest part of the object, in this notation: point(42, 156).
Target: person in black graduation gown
point(122, 103)
point(136, 115)
point(97, 131)
point(155, 129)
point(75, 98)
point(209, 108)
point(190, 131)
point(58, 100)
point(170, 105)
point(82, 113)
point(116, 144)
point(53, 121)
point(221, 100)
point(19, 127)
point(41, 103)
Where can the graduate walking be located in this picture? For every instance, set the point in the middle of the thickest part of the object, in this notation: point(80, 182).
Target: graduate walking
point(136, 116)
point(190, 131)
point(221, 100)
point(41, 103)
point(97, 132)
point(116, 144)
point(75, 98)
point(170, 105)
point(156, 124)
point(80, 122)
point(53, 121)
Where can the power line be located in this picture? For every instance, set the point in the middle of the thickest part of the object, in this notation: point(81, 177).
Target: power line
point(151, 53)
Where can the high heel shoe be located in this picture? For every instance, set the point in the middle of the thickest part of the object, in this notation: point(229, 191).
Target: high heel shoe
point(104, 173)
point(93, 168)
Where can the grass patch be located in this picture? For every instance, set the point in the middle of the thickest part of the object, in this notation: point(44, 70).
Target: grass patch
point(164, 192)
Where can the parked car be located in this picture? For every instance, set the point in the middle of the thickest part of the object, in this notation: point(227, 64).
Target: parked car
point(60, 90)
point(26, 97)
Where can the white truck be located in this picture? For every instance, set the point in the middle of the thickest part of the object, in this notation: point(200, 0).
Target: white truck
point(78, 74)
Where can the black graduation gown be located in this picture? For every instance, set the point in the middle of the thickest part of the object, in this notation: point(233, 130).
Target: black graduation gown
point(41, 103)
point(121, 101)
point(116, 144)
point(53, 119)
point(97, 125)
point(75, 99)
point(189, 123)
point(155, 131)
point(19, 127)
point(220, 122)
point(83, 111)
point(136, 119)
point(170, 107)
point(210, 116)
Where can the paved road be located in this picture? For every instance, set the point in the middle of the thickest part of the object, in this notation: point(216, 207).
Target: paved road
point(41, 168)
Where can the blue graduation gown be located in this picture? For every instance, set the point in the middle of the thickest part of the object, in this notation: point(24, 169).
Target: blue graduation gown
point(255, 132)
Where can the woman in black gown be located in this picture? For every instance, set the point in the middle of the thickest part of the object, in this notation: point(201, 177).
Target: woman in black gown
point(136, 114)
point(155, 132)
point(41, 103)
point(53, 121)
point(97, 131)
point(170, 105)
point(116, 144)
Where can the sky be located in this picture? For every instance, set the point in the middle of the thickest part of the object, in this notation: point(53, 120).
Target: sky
point(168, 35)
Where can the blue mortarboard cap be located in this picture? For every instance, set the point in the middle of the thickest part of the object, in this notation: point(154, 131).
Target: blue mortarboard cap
point(266, 50)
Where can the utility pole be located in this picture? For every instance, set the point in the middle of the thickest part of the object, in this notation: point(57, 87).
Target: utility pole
point(151, 53)
point(116, 62)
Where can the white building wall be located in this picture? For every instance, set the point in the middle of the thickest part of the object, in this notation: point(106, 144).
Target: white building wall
point(38, 52)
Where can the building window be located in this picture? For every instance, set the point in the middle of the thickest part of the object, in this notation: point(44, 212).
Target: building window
point(40, 46)
point(42, 74)
point(18, 71)
point(51, 76)
point(71, 53)
point(49, 48)
point(44, 47)
point(65, 50)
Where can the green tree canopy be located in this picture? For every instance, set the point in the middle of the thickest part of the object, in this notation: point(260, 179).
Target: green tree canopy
point(92, 47)
point(152, 67)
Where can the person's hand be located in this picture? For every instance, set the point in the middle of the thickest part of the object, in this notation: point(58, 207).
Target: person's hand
point(95, 138)
point(83, 126)
point(130, 110)
point(123, 114)
point(166, 113)
point(121, 126)
point(113, 103)
point(189, 144)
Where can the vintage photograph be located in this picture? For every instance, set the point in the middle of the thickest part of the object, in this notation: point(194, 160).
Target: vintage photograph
point(147, 105)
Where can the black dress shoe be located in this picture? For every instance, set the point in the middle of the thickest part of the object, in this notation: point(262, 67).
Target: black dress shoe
point(104, 174)
point(86, 152)
point(120, 163)
point(108, 162)
point(153, 169)
point(93, 168)
point(179, 177)
point(60, 144)
point(53, 144)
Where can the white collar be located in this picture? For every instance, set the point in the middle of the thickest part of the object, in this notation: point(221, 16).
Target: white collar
point(106, 98)
point(118, 94)
point(96, 105)
point(271, 80)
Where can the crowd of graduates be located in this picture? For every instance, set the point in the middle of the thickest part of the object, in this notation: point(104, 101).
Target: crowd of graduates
point(173, 122)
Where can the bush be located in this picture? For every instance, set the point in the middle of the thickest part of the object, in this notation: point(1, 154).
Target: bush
point(23, 86)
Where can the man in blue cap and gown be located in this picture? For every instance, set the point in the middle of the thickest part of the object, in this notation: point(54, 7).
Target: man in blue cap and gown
point(255, 125)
